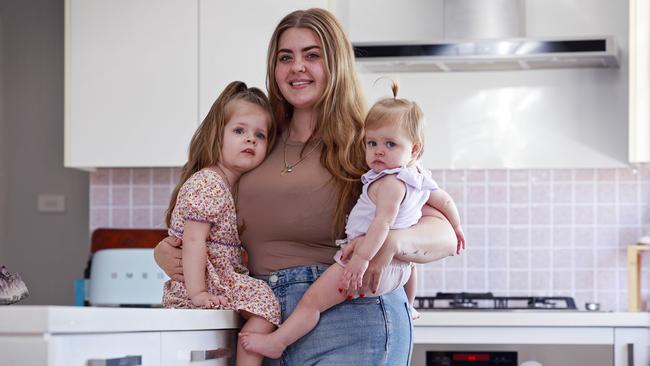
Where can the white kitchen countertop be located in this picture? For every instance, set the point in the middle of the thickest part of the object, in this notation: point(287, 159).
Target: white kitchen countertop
point(524, 327)
point(541, 318)
point(19, 320)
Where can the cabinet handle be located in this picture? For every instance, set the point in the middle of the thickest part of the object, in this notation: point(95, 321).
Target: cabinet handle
point(630, 354)
point(122, 361)
point(209, 354)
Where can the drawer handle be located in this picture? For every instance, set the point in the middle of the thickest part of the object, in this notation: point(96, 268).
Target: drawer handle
point(209, 354)
point(630, 354)
point(122, 361)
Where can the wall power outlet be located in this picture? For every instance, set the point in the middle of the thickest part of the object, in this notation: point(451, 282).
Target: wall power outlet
point(51, 203)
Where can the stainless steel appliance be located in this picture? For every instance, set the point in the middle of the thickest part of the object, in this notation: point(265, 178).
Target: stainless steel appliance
point(486, 36)
point(487, 301)
point(525, 353)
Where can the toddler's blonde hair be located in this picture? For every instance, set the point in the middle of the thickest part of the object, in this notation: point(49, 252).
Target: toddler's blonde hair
point(403, 112)
point(206, 144)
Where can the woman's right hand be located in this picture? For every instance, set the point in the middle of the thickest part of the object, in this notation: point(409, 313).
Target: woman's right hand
point(376, 267)
point(168, 255)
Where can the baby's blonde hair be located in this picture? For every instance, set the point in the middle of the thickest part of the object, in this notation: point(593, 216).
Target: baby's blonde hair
point(405, 113)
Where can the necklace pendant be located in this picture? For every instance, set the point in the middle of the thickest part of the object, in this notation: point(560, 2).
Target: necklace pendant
point(287, 170)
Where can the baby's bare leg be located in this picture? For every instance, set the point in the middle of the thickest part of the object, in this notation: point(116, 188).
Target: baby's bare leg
point(410, 288)
point(321, 295)
point(254, 324)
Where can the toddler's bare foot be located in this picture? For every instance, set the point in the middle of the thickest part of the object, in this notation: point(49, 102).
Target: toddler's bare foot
point(263, 344)
point(414, 314)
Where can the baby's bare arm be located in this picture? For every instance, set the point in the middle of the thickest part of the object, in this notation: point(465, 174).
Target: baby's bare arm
point(387, 194)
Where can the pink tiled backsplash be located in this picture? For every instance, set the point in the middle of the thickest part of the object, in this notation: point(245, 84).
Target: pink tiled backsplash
point(529, 232)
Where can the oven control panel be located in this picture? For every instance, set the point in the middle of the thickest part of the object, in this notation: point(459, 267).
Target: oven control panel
point(533, 354)
point(470, 358)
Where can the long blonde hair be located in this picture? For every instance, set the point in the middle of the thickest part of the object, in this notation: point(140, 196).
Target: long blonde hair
point(339, 111)
point(205, 147)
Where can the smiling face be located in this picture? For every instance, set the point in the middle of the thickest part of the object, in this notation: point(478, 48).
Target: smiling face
point(299, 67)
point(389, 147)
point(245, 137)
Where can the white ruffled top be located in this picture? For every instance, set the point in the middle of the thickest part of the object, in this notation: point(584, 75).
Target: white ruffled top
point(418, 184)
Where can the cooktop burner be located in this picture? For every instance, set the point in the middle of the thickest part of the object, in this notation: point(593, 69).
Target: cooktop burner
point(487, 301)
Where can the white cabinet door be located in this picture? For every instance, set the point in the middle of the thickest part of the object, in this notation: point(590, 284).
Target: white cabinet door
point(632, 346)
point(79, 350)
point(234, 41)
point(131, 82)
point(199, 348)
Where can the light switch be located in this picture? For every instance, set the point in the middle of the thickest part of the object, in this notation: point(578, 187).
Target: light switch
point(51, 203)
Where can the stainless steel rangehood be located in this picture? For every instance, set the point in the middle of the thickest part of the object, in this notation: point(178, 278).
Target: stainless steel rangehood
point(489, 55)
point(489, 37)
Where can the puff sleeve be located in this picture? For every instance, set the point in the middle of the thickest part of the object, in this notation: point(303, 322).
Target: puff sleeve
point(202, 198)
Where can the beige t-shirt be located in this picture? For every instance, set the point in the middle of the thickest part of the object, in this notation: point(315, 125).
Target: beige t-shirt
point(287, 218)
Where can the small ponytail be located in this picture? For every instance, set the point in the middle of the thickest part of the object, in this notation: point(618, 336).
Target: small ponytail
point(394, 87)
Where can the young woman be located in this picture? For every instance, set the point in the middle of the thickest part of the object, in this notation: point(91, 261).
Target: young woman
point(293, 206)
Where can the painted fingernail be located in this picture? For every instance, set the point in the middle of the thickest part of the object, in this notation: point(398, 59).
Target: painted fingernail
point(362, 295)
point(349, 297)
point(340, 290)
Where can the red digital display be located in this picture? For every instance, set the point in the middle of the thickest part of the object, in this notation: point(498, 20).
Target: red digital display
point(471, 357)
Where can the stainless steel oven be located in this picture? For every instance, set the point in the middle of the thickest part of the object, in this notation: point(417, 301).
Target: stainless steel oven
point(512, 355)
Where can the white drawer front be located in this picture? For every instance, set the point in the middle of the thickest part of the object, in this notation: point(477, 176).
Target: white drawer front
point(78, 350)
point(198, 348)
point(24, 351)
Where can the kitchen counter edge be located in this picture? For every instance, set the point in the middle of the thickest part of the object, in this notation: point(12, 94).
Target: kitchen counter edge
point(532, 319)
point(28, 319)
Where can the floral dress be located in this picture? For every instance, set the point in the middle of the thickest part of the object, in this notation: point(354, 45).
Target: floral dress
point(205, 197)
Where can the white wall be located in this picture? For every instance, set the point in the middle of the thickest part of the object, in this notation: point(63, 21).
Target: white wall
point(3, 155)
point(514, 119)
point(48, 250)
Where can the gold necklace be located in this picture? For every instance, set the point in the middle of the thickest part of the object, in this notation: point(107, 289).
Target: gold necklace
point(288, 168)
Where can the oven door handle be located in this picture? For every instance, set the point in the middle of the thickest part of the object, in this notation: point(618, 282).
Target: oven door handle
point(630, 354)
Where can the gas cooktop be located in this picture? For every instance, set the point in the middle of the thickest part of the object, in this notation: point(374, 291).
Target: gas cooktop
point(487, 301)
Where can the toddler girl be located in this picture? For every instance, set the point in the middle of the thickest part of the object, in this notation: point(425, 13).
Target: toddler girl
point(234, 138)
point(394, 192)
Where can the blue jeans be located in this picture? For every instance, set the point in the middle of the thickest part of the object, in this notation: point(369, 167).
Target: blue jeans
point(365, 331)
